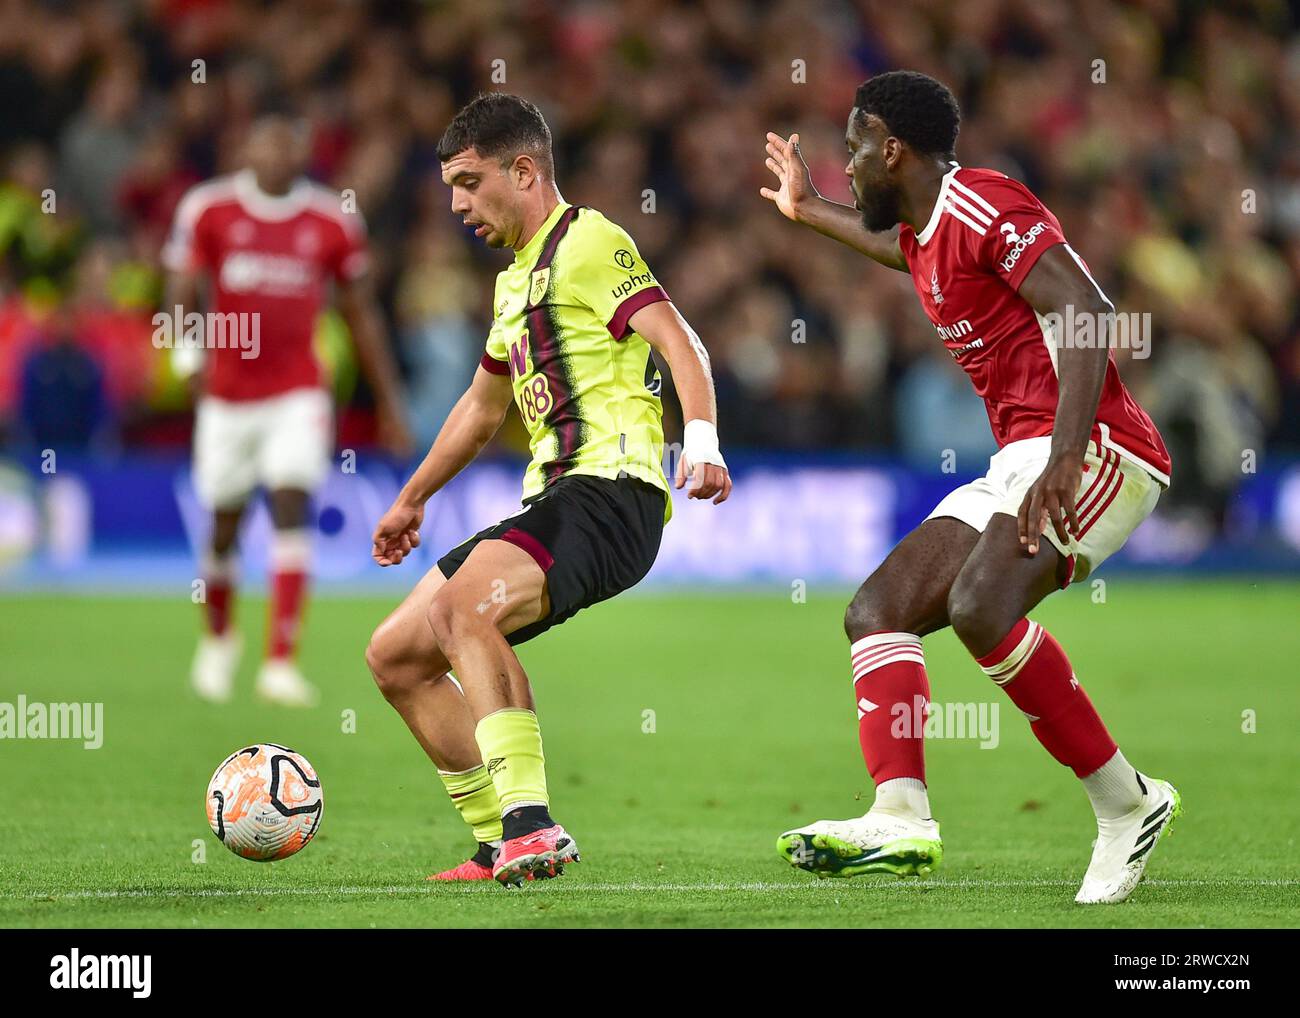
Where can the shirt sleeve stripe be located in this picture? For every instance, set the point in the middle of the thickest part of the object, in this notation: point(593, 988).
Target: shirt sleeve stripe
point(493, 366)
point(974, 196)
point(618, 325)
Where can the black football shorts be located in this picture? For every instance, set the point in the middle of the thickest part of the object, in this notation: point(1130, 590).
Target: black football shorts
point(594, 537)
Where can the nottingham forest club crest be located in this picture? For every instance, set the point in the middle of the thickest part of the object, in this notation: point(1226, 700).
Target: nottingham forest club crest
point(537, 289)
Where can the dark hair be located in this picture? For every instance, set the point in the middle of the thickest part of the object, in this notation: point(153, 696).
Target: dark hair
point(499, 126)
point(917, 110)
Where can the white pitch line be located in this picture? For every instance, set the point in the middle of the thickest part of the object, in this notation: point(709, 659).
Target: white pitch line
point(612, 888)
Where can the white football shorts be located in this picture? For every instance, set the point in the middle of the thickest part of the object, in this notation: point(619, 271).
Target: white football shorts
point(1115, 495)
point(284, 441)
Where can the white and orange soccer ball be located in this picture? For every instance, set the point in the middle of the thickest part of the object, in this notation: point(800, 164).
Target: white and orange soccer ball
point(264, 802)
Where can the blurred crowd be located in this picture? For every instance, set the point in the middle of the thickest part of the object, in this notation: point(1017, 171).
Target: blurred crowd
point(1165, 135)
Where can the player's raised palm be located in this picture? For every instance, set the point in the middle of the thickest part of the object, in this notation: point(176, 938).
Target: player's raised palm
point(397, 534)
point(796, 188)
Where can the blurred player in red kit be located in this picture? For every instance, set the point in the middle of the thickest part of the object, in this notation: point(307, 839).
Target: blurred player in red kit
point(1079, 466)
point(269, 243)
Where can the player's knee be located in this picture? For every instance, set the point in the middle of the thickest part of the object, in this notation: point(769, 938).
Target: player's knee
point(224, 542)
point(451, 621)
point(879, 608)
point(962, 612)
point(865, 614)
point(378, 660)
point(289, 508)
point(384, 659)
point(975, 616)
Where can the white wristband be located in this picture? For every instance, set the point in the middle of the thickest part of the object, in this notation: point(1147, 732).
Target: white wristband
point(700, 444)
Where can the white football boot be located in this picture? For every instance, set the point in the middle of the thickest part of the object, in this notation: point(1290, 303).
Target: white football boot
point(1124, 845)
point(216, 660)
point(877, 842)
point(280, 681)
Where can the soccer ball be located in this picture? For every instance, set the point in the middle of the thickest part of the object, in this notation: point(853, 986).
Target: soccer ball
point(264, 802)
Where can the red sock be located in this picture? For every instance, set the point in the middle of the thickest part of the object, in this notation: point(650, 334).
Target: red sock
point(893, 695)
point(1033, 669)
point(287, 590)
point(289, 554)
point(218, 593)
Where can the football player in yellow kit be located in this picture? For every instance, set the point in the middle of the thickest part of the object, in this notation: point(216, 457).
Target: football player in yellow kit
point(576, 317)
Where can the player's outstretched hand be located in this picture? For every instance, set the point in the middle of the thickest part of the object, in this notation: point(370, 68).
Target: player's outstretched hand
point(795, 187)
point(707, 480)
point(397, 533)
point(1050, 502)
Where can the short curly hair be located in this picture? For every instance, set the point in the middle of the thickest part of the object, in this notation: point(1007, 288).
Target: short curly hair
point(916, 108)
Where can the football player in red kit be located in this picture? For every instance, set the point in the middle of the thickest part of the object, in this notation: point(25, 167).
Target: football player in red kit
point(1079, 466)
point(270, 243)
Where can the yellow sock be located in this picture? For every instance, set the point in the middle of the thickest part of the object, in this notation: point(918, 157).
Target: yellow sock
point(474, 795)
point(511, 743)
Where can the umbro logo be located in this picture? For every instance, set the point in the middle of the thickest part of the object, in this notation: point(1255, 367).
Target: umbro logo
point(495, 764)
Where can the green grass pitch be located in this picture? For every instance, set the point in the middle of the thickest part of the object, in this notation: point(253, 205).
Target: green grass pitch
point(753, 732)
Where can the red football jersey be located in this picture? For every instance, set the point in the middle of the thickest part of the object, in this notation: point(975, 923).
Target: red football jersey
point(273, 255)
point(985, 234)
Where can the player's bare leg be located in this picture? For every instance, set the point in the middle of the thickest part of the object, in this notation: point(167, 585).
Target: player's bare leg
point(413, 674)
point(999, 584)
point(415, 678)
point(280, 680)
point(903, 600)
point(217, 657)
point(499, 579)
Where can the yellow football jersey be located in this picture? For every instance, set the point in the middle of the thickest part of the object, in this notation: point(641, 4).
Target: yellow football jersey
point(585, 383)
